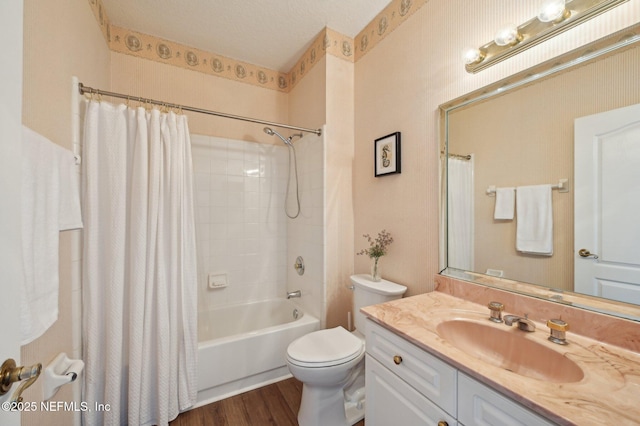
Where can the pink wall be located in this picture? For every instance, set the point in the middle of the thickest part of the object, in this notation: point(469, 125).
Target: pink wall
point(399, 86)
point(61, 40)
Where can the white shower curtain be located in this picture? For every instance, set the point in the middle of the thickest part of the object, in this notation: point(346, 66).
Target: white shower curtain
point(460, 213)
point(139, 266)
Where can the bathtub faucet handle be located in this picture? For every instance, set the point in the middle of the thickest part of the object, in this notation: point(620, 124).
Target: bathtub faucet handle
point(296, 293)
point(299, 265)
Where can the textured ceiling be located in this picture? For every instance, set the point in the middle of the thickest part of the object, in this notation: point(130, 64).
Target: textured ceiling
point(269, 33)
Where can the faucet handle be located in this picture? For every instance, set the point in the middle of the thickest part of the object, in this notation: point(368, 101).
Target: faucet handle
point(558, 328)
point(496, 309)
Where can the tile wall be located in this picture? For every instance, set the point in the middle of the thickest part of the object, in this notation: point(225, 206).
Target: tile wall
point(242, 230)
point(240, 225)
point(306, 233)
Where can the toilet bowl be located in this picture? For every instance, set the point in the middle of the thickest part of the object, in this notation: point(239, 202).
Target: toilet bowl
point(330, 362)
point(323, 361)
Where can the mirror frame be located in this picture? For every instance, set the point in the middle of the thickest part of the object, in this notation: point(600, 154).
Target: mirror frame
point(617, 42)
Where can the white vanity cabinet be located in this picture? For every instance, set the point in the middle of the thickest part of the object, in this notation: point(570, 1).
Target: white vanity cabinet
point(404, 384)
point(407, 386)
point(480, 405)
point(392, 401)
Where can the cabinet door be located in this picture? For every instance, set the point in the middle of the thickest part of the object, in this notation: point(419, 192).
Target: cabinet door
point(479, 405)
point(391, 401)
point(429, 375)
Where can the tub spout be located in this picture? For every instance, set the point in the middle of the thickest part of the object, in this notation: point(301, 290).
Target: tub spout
point(296, 293)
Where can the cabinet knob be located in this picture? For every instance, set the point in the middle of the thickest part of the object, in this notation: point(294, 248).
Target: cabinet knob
point(443, 423)
point(397, 359)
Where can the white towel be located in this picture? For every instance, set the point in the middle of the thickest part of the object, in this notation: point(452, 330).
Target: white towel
point(505, 199)
point(50, 203)
point(534, 233)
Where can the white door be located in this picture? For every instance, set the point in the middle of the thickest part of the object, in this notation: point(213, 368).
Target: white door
point(607, 204)
point(10, 155)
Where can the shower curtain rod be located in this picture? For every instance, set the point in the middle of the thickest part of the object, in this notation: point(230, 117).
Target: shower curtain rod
point(460, 156)
point(85, 89)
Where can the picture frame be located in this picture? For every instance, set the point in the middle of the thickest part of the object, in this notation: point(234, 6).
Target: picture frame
point(386, 153)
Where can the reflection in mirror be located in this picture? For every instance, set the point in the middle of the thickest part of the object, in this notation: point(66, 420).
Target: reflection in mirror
point(520, 133)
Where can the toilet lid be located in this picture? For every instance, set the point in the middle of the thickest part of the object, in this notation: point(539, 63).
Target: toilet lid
point(323, 348)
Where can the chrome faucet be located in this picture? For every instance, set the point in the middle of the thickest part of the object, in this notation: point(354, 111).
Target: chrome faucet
point(291, 294)
point(524, 324)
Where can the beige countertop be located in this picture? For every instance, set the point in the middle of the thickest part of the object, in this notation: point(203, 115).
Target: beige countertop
point(609, 392)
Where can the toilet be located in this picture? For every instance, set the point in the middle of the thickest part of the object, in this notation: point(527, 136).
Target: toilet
point(330, 362)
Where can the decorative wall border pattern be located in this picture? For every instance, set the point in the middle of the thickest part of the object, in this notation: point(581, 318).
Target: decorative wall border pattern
point(168, 52)
point(384, 23)
point(327, 42)
point(331, 42)
point(101, 16)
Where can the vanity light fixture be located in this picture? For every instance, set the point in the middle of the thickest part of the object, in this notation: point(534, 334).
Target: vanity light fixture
point(554, 17)
point(554, 11)
point(472, 55)
point(508, 36)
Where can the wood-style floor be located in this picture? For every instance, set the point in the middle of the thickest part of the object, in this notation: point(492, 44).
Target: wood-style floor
point(276, 404)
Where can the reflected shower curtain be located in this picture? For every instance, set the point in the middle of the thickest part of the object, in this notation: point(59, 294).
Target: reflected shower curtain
point(139, 266)
point(460, 213)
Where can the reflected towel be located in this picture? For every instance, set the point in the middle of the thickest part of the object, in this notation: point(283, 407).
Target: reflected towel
point(505, 200)
point(50, 203)
point(534, 211)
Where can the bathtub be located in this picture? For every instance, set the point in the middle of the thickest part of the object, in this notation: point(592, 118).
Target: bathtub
point(243, 347)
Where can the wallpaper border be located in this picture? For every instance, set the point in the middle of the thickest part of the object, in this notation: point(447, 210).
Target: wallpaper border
point(130, 42)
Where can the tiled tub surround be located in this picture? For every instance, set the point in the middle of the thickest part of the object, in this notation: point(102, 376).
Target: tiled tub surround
point(305, 234)
point(606, 348)
point(241, 229)
point(241, 226)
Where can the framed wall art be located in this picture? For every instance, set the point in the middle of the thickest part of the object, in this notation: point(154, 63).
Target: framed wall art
point(386, 153)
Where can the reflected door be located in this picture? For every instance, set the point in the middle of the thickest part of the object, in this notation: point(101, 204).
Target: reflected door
point(607, 204)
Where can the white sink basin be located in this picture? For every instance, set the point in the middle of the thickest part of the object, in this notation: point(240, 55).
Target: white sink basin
point(511, 349)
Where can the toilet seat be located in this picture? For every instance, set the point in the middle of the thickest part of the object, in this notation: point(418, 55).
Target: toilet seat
point(325, 348)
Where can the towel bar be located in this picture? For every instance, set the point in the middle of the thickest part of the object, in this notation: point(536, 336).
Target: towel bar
point(561, 186)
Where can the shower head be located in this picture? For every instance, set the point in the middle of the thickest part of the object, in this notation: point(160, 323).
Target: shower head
point(272, 132)
point(292, 152)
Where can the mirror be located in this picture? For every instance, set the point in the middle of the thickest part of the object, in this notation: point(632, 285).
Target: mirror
point(519, 132)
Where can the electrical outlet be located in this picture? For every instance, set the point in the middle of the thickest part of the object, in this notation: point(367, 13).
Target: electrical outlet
point(495, 272)
point(218, 280)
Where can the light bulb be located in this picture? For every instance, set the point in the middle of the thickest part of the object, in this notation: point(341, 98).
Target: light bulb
point(508, 35)
point(553, 11)
point(471, 55)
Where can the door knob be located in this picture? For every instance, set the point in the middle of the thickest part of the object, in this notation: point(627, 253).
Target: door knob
point(9, 374)
point(587, 253)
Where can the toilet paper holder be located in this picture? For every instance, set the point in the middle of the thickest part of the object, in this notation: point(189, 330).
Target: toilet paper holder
point(59, 372)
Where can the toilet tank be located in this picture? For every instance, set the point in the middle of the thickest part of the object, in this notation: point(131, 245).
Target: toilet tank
point(367, 292)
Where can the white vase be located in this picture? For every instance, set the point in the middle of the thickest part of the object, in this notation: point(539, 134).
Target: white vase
point(376, 273)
